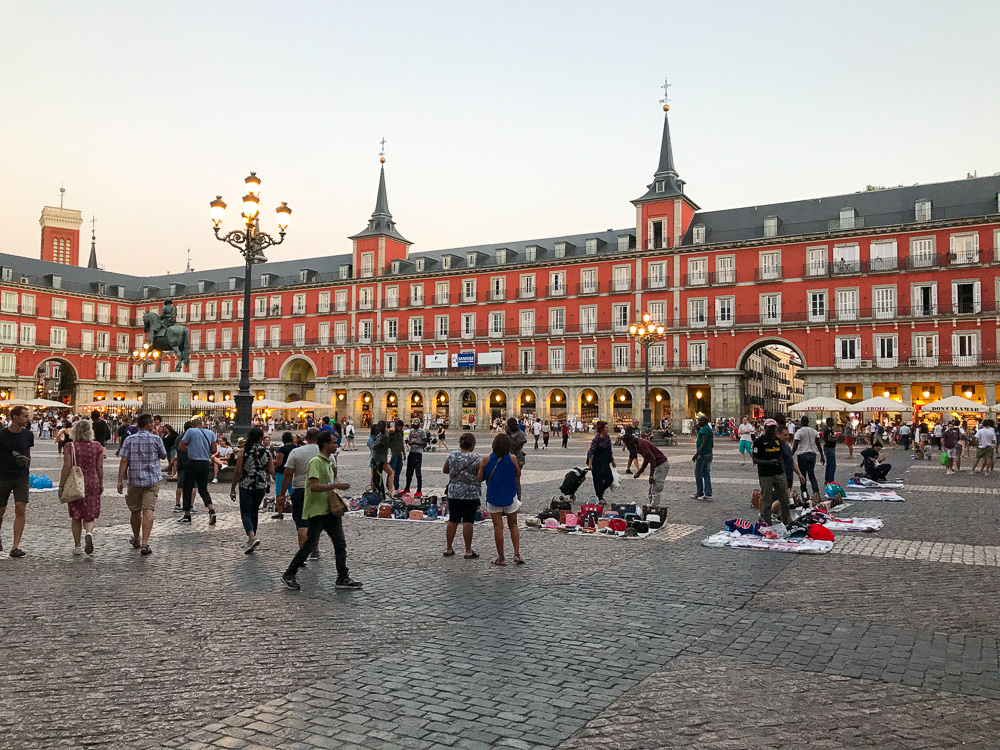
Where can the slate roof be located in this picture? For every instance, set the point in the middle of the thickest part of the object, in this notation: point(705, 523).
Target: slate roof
point(957, 199)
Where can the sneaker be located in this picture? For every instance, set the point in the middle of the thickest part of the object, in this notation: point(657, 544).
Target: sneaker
point(628, 471)
point(211, 518)
point(184, 519)
point(194, 510)
point(278, 517)
point(17, 552)
point(290, 582)
point(418, 493)
point(314, 555)
point(78, 550)
point(251, 546)
point(215, 481)
point(696, 496)
point(347, 583)
point(88, 544)
point(178, 509)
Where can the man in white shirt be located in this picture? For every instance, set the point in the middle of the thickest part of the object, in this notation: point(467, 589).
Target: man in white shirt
point(807, 448)
point(745, 432)
point(536, 430)
point(986, 439)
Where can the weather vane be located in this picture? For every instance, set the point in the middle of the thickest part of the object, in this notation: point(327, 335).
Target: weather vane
point(665, 87)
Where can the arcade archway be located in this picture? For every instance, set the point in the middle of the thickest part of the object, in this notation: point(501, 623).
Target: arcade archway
point(526, 403)
point(770, 382)
point(366, 407)
point(621, 405)
point(590, 407)
point(469, 405)
point(441, 406)
point(557, 405)
point(659, 404)
point(497, 404)
point(55, 380)
point(416, 404)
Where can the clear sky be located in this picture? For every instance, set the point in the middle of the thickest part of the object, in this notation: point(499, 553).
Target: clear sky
point(504, 121)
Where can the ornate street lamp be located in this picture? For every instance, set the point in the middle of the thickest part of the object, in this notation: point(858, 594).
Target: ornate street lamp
point(646, 333)
point(146, 354)
point(251, 242)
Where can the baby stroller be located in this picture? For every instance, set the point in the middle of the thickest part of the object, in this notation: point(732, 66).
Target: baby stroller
point(432, 444)
point(572, 481)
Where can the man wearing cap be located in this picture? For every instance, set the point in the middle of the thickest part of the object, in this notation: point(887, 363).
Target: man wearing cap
point(657, 462)
point(771, 473)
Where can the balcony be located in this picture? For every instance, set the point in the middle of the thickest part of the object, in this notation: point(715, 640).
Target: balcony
point(815, 270)
point(391, 303)
point(771, 273)
point(620, 285)
point(889, 362)
point(883, 265)
point(654, 283)
point(441, 298)
point(365, 304)
point(699, 278)
point(842, 363)
point(498, 295)
point(524, 293)
point(923, 260)
point(556, 291)
point(588, 287)
point(964, 257)
point(845, 267)
point(726, 276)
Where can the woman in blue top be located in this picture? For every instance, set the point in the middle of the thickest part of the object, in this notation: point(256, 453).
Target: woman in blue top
point(501, 472)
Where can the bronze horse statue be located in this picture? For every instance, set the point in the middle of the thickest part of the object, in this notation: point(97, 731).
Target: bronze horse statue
point(175, 338)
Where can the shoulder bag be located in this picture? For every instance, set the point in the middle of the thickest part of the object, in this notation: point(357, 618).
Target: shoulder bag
point(74, 487)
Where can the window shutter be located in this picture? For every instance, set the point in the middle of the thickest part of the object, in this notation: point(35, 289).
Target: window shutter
point(977, 297)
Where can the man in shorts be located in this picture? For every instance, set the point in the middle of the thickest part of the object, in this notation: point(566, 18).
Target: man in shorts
point(951, 443)
point(986, 439)
point(628, 441)
point(295, 475)
point(16, 441)
point(141, 454)
point(745, 432)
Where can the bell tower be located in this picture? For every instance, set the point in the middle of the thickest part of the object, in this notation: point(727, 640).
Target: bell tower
point(378, 244)
point(61, 233)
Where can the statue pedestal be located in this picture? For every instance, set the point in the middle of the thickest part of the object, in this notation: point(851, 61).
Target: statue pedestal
point(168, 394)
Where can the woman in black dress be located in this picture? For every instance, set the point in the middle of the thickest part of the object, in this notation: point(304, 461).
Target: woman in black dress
point(601, 459)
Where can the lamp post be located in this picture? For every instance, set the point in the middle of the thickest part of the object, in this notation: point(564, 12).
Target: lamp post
point(646, 333)
point(251, 242)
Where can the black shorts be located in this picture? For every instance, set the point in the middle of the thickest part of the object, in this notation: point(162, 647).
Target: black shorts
point(298, 500)
point(462, 511)
point(17, 487)
point(633, 452)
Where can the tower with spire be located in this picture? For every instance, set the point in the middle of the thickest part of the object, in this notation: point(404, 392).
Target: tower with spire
point(61, 233)
point(664, 212)
point(378, 244)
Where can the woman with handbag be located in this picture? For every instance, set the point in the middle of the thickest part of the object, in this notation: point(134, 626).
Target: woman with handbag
point(254, 469)
point(463, 492)
point(601, 460)
point(81, 483)
point(501, 471)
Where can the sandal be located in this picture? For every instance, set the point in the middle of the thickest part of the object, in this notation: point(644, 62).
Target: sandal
point(518, 560)
point(498, 561)
point(472, 556)
point(134, 542)
point(145, 550)
point(449, 554)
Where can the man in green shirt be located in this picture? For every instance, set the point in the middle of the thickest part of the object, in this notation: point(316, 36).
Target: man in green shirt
point(703, 460)
point(321, 478)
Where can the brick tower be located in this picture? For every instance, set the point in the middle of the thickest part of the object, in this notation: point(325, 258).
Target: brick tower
point(61, 233)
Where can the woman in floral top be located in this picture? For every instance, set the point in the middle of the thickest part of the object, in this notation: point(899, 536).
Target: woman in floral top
point(254, 469)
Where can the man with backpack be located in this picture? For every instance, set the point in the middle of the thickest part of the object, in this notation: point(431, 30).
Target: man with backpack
point(951, 443)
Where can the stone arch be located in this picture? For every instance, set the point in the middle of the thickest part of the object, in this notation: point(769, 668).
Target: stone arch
point(290, 366)
point(53, 388)
point(741, 361)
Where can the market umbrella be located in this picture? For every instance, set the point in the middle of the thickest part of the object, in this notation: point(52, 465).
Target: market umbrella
point(45, 403)
point(111, 404)
point(822, 403)
point(955, 403)
point(878, 403)
point(307, 405)
point(266, 403)
point(201, 403)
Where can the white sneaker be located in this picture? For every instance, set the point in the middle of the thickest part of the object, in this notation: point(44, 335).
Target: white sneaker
point(215, 481)
point(78, 550)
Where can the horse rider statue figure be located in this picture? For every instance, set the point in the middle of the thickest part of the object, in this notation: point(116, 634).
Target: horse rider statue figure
point(163, 334)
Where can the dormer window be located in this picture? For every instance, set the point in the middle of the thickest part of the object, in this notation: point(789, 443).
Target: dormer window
point(345, 272)
point(56, 281)
point(420, 264)
point(303, 276)
point(7, 274)
point(591, 247)
point(120, 291)
point(847, 218)
point(395, 266)
point(661, 185)
point(201, 287)
point(624, 243)
point(560, 251)
point(922, 210)
point(771, 226)
point(530, 253)
point(101, 288)
point(501, 256)
point(446, 262)
point(470, 259)
point(234, 282)
point(698, 234)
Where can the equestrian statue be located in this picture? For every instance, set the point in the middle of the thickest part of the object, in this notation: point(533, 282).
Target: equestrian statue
point(163, 334)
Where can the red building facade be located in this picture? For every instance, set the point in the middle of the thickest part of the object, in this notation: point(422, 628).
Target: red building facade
point(885, 292)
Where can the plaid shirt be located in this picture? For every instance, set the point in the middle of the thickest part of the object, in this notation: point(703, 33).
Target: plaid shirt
point(143, 450)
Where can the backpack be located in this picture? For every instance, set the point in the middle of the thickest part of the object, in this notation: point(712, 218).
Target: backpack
point(950, 438)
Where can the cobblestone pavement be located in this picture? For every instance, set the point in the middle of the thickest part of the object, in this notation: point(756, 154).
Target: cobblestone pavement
point(603, 643)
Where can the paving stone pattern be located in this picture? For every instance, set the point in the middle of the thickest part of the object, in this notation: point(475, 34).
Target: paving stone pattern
point(594, 643)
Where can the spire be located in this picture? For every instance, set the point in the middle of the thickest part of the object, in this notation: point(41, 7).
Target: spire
point(188, 269)
point(381, 223)
point(92, 263)
point(666, 182)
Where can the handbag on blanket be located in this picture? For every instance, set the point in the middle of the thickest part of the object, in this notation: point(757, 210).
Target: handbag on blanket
point(75, 487)
point(371, 511)
point(384, 510)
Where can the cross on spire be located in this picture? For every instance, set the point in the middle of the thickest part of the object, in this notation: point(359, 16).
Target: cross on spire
point(93, 227)
point(62, 194)
point(381, 153)
point(666, 93)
